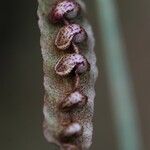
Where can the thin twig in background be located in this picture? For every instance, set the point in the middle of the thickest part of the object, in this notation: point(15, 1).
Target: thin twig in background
point(123, 100)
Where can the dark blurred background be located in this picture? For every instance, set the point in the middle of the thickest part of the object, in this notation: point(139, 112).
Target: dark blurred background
point(21, 89)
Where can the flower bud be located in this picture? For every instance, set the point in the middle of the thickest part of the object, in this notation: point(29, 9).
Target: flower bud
point(69, 33)
point(71, 131)
point(69, 147)
point(72, 62)
point(75, 99)
point(64, 9)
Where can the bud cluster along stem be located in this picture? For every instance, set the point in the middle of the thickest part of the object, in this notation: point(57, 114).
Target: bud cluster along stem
point(67, 38)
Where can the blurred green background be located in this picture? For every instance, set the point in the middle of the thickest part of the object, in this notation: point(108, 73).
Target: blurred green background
point(21, 89)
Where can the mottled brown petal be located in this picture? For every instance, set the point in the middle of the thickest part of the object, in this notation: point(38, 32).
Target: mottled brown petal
point(71, 61)
point(69, 33)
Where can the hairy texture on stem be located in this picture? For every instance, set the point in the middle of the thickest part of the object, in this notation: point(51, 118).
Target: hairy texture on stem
point(57, 87)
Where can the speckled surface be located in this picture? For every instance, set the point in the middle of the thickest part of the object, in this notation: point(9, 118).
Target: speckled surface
point(56, 87)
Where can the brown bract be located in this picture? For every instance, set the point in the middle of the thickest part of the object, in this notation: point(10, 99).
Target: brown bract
point(70, 62)
point(69, 33)
point(70, 132)
point(64, 10)
point(70, 147)
point(75, 99)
